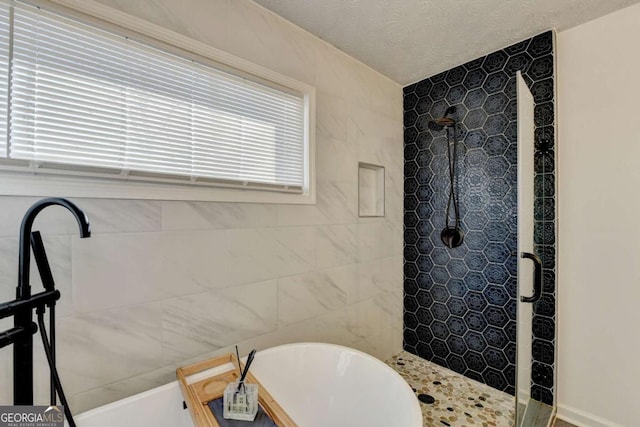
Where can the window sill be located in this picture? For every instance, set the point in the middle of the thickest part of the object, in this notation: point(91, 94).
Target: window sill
point(43, 186)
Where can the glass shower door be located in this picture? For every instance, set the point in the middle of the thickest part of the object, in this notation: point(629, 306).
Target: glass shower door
point(529, 412)
point(526, 128)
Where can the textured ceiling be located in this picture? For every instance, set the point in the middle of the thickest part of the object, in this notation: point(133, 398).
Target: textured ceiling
point(409, 40)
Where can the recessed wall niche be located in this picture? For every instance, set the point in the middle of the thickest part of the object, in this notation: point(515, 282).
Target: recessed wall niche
point(370, 190)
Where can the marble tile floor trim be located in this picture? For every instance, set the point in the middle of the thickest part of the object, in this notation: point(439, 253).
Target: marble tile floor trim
point(450, 399)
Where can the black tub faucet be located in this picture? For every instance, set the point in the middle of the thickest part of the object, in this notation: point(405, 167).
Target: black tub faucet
point(22, 307)
point(25, 236)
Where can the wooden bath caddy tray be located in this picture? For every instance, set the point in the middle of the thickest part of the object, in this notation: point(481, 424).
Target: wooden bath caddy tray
point(199, 389)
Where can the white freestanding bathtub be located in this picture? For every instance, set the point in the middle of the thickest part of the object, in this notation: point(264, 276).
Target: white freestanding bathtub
point(319, 385)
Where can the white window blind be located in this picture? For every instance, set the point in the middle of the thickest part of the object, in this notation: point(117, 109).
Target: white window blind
point(4, 75)
point(86, 99)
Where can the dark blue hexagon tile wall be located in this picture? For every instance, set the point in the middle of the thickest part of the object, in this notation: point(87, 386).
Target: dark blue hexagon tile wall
point(460, 304)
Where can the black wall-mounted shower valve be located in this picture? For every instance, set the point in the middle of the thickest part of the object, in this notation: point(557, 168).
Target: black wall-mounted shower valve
point(452, 237)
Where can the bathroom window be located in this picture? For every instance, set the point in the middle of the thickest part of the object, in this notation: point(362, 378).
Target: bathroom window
point(87, 102)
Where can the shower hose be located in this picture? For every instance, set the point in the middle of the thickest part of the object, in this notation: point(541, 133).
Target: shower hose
point(52, 366)
point(452, 150)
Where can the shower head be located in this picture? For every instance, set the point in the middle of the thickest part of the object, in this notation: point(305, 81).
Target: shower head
point(442, 122)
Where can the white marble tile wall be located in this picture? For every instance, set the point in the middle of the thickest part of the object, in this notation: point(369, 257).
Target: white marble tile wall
point(162, 284)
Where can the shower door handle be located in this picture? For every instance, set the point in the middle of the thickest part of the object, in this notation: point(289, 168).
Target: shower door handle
point(537, 277)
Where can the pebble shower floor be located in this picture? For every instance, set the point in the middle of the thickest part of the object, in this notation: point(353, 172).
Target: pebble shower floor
point(450, 399)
